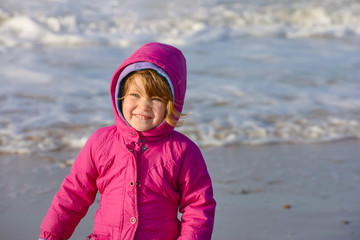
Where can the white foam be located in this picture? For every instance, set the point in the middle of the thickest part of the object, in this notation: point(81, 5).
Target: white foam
point(102, 24)
point(291, 131)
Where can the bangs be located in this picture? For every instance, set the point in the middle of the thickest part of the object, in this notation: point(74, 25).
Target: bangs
point(155, 85)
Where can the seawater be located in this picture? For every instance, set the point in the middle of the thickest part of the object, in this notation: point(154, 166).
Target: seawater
point(259, 72)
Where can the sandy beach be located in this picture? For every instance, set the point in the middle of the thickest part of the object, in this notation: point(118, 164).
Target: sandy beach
point(286, 191)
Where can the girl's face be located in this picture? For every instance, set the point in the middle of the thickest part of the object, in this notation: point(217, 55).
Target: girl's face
point(141, 112)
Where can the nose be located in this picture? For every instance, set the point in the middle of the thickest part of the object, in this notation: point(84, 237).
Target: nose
point(145, 103)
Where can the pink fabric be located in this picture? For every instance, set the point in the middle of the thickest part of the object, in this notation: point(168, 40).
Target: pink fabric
point(143, 177)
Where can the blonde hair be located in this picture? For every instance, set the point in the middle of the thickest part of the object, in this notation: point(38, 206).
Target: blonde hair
point(155, 85)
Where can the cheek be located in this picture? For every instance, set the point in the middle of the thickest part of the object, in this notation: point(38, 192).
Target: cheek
point(161, 110)
point(123, 106)
point(126, 106)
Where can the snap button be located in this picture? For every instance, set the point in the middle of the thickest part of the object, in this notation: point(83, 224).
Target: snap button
point(132, 183)
point(132, 220)
point(144, 148)
point(133, 133)
point(131, 150)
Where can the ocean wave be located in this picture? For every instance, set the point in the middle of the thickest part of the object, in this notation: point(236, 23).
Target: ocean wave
point(52, 139)
point(125, 24)
point(294, 131)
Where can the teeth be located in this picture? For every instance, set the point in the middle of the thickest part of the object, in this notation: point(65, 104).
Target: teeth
point(142, 117)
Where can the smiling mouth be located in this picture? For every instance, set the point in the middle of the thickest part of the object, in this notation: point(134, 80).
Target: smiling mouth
point(142, 117)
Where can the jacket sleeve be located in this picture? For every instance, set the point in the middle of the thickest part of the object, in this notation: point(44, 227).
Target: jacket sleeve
point(197, 203)
point(76, 194)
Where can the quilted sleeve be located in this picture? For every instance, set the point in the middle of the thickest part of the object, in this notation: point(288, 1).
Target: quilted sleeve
point(76, 194)
point(197, 203)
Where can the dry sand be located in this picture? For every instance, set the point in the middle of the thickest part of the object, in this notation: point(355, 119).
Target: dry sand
point(263, 192)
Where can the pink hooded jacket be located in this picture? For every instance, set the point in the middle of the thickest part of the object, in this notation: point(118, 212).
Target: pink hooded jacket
point(144, 177)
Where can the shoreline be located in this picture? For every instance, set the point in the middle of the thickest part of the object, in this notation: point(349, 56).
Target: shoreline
point(285, 191)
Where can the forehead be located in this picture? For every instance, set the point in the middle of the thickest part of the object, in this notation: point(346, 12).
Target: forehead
point(135, 82)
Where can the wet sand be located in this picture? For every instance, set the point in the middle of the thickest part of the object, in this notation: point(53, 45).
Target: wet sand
point(287, 191)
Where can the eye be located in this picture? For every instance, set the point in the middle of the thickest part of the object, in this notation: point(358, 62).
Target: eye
point(136, 95)
point(156, 99)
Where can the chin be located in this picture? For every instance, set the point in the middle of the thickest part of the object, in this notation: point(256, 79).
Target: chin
point(143, 129)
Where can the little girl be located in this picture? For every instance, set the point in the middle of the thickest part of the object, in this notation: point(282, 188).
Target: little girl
point(145, 170)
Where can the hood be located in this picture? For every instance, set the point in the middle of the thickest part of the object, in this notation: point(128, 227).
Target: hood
point(167, 61)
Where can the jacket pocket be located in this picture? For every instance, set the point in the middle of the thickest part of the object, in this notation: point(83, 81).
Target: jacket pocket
point(99, 236)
